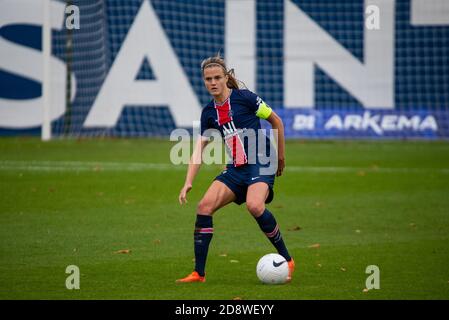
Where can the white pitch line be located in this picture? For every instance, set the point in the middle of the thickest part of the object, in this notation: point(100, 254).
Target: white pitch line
point(81, 166)
point(84, 166)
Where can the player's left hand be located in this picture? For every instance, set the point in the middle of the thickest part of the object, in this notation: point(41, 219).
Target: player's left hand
point(183, 194)
point(281, 166)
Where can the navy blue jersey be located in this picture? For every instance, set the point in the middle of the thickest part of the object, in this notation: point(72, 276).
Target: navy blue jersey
point(239, 126)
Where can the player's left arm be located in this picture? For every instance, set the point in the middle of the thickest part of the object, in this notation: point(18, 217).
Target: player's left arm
point(276, 123)
point(265, 112)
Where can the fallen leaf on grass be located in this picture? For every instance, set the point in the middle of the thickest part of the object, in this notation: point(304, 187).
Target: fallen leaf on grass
point(124, 251)
point(315, 245)
point(236, 298)
point(365, 290)
point(295, 228)
point(223, 255)
point(130, 201)
point(233, 261)
point(157, 241)
point(343, 269)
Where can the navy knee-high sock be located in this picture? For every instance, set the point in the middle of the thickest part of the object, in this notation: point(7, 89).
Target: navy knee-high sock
point(269, 226)
point(202, 237)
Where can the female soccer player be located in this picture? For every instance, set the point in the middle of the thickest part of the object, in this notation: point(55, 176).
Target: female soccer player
point(235, 113)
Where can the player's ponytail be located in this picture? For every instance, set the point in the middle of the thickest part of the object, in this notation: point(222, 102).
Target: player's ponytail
point(218, 61)
point(233, 83)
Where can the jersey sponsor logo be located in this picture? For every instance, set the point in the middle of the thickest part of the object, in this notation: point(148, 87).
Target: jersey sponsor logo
point(229, 128)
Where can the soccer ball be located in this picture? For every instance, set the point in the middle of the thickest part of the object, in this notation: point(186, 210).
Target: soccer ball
point(272, 268)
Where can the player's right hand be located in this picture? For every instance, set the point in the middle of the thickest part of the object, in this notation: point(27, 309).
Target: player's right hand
point(183, 193)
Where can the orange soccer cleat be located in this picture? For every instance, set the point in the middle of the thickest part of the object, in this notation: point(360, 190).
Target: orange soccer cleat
point(193, 277)
point(291, 269)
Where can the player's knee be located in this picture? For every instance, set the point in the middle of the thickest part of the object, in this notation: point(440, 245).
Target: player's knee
point(256, 208)
point(205, 207)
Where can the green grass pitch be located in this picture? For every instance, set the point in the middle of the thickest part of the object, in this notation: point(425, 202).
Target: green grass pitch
point(342, 206)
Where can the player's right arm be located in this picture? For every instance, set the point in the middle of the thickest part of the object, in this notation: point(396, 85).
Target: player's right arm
point(194, 167)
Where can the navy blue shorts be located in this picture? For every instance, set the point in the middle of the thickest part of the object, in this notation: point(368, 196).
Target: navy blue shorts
point(239, 178)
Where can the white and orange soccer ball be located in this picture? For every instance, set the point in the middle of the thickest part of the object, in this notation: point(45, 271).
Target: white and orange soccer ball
point(272, 268)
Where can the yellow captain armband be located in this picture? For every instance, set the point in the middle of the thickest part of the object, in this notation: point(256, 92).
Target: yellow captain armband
point(264, 111)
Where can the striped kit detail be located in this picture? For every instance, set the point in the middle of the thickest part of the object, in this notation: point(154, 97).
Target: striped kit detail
point(272, 233)
point(224, 112)
point(275, 234)
point(232, 139)
point(204, 230)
